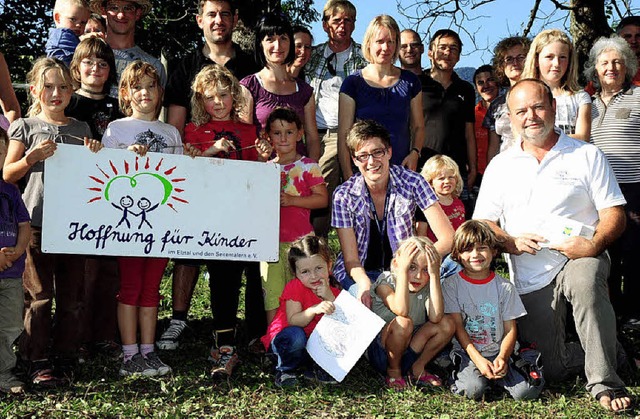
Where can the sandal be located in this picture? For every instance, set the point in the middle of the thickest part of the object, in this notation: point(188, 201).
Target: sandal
point(397, 384)
point(427, 379)
point(614, 394)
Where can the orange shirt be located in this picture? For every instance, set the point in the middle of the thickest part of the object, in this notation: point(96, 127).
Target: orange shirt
point(482, 137)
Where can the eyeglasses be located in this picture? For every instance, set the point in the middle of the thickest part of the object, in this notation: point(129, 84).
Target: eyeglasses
point(411, 45)
point(126, 9)
point(330, 67)
point(90, 63)
point(376, 154)
point(512, 60)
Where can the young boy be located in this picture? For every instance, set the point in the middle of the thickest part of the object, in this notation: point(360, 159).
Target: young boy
point(14, 237)
point(409, 299)
point(302, 189)
point(485, 307)
point(70, 17)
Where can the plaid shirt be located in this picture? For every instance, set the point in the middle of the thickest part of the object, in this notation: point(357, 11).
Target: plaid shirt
point(316, 68)
point(351, 209)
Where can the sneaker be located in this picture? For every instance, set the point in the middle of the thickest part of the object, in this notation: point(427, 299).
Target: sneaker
point(319, 375)
point(137, 365)
point(285, 379)
point(170, 339)
point(154, 361)
point(10, 384)
point(109, 348)
point(224, 360)
point(41, 375)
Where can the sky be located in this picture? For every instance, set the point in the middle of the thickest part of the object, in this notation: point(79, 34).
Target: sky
point(493, 22)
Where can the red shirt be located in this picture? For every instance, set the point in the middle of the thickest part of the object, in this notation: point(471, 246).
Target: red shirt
point(242, 135)
point(456, 214)
point(295, 291)
point(482, 137)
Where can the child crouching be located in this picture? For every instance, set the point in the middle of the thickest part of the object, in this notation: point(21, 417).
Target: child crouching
point(485, 307)
point(409, 299)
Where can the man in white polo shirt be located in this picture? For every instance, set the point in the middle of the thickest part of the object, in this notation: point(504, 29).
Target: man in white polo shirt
point(330, 63)
point(552, 179)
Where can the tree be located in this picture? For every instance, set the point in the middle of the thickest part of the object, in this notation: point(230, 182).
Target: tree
point(586, 20)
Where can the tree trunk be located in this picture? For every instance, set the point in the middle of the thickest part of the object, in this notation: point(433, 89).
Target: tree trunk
point(588, 23)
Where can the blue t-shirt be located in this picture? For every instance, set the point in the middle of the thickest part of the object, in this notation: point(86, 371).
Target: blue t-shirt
point(390, 106)
point(12, 212)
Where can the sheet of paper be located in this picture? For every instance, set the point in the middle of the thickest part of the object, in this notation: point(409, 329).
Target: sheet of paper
point(554, 228)
point(340, 339)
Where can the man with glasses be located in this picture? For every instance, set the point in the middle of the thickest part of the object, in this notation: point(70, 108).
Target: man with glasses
point(121, 19)
point(411, 50)
point(330, 63)
point(217, 19)
point(448, 107)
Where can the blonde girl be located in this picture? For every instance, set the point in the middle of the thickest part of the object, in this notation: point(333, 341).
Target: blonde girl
point(553, 59)
point(33, 140)
point(140, 96)
point(443, 175)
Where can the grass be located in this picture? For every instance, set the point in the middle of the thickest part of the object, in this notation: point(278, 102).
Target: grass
point(98, 391)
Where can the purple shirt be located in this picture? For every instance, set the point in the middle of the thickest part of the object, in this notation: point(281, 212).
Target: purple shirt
point(390, 106)
point(12, 212)
point(351, 209)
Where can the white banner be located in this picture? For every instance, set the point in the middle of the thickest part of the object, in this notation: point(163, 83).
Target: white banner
point(340, 338)
point(117, 203)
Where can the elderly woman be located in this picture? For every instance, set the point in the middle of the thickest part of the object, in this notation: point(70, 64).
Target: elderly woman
point(373, 210)
point(508, 63)
point(385, 93)
point(615, 129)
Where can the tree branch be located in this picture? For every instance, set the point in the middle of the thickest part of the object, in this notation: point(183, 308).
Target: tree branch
point(532, 18)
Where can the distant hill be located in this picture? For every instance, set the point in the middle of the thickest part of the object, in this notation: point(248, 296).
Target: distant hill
point(466, 73)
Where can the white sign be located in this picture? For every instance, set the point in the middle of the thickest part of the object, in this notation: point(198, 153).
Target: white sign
point(115, 202)
point(340, 338)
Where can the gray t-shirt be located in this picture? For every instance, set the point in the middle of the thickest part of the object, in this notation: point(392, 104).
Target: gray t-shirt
point(484, 306)
point(417, 301)
point(31, 132)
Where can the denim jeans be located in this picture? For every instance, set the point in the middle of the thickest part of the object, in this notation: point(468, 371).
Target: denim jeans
point(290, 347)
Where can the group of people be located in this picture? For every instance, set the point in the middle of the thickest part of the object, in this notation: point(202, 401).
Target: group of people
point(395, 159)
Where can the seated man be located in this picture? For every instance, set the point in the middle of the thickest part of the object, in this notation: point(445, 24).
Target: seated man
point(550, 177)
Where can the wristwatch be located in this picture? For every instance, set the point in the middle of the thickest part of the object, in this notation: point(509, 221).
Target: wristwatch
point(417, 151)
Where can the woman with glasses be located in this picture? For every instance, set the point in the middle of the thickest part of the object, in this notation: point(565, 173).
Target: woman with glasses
point(274, 86)
point(508, 63)
point(384, 93)
point(373, 211)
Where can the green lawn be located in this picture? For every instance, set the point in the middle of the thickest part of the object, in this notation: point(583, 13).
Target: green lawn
point(98, 391)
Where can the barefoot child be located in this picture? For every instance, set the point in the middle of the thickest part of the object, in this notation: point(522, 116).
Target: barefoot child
point(140, 96)
point(409, 299)
point(302, 303)
point(32, 140)
point(302, 189)
point(485, 307)
point(14, 238)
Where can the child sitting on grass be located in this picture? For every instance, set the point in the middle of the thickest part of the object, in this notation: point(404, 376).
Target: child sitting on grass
point(409, 299)
point(303, 302)
point(485, 307)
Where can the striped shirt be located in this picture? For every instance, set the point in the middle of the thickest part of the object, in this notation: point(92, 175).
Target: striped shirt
point(351, 209)
point(615, 129)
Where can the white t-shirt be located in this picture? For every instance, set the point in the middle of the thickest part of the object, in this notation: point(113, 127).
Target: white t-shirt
point(329, 90)
point(574, 180)
point(567, 107)
point(157, 136)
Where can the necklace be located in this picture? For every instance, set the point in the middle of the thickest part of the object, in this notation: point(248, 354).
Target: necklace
point(91, 92)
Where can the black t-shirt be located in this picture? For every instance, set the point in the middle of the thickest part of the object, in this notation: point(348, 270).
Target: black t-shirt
point(446, 113)
point(379, 253)
point(95, 112)
point(178, 91)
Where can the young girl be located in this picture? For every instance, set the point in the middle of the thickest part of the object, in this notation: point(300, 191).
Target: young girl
point(409, 299)
point(93, 69)
point(303, 302)
point(484, 307)
point(140, 99)
point(302, 189)
point(443, 175)
point(553, 60)
point(216, 131)
point(32, 140)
